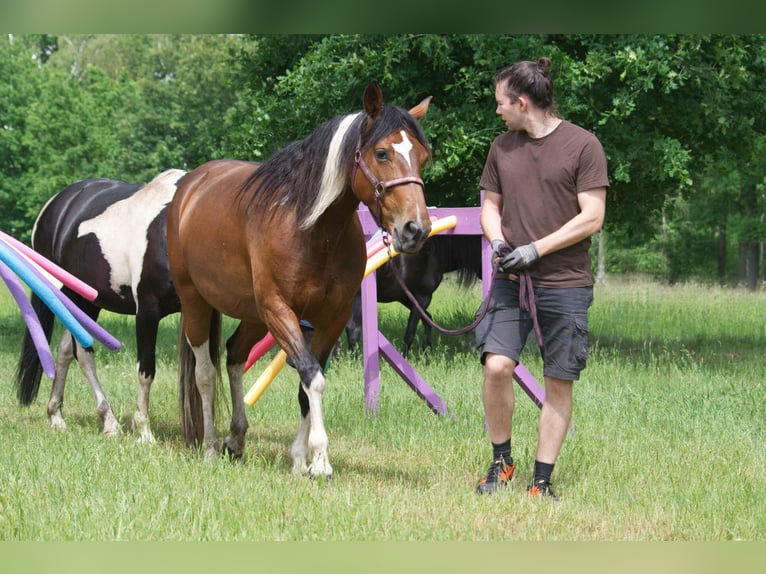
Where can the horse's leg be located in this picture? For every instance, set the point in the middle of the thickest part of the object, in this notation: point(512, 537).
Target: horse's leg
point(147, 324)
point(234, 443)
point(409, 332)
point(426, 329)
point(205, 377)
point(311, 437)
point(354, 324)
point(412, 324)
point(64, 358)
point(237, 349)
point(141, 425)
point(86, 360)
point(300, 448)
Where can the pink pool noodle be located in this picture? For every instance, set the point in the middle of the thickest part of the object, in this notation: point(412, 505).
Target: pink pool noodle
point(258, 350)
point(62, 275)
point(98, 332)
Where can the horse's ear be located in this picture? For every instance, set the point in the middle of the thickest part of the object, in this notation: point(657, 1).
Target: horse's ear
point(420, 110)
point(373, 100)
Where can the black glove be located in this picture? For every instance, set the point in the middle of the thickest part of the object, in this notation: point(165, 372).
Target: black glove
point(501, 251)
point(521, 258)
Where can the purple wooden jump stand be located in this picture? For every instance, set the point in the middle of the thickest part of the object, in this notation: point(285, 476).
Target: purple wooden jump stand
point(375, 344)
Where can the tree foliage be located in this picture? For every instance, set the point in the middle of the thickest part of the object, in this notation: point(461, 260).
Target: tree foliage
point(679, 117)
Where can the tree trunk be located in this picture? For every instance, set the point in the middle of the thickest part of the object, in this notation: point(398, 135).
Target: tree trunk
point(601, 262)
point(722, 253)
point(748, 264)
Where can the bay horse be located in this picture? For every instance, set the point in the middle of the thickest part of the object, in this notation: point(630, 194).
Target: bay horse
point(279, 243)
point(422, 273)
point(110, 234)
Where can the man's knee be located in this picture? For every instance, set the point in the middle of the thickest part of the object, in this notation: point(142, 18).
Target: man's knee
point(498, 366)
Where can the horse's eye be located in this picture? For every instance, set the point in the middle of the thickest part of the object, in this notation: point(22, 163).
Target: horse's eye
point(381, 154)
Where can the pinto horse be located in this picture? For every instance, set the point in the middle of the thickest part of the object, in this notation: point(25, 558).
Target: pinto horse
point(110, 234)
point(279, 243)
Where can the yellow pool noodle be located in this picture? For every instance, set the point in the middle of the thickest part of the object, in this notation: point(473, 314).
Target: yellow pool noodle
point(379, 258)
point(267, 376)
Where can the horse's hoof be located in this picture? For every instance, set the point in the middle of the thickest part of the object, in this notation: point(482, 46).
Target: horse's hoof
point(314, 476)
point(320, 470)
point(112, 427)
point(58, 424)
point(212, 453)
point(141, 428)
point(231, 453)
point(146, 437)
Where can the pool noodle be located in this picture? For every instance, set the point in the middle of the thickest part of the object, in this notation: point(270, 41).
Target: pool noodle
point(267, 376)
point(379, 258)
point(36, 332)
point(20, 254)
point(258, 350)
point(64, 276)
point(46, 295)
point(98, 332)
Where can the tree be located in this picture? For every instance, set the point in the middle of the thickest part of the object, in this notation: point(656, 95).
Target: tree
point(20, 83)
point(678, 115)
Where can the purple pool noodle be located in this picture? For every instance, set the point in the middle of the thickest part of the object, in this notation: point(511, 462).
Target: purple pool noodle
point(20, 268)
point(30, 318)
point(89, 324)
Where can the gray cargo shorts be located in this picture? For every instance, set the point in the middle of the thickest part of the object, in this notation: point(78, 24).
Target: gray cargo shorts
point(562, 314)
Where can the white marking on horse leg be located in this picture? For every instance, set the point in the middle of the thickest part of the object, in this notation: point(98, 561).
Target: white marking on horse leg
point(87, 364)
point(205, 375)
point(141, 425)
point(317, 443)
point(64, 358)
point(300, 448)
point(235, 442)
point(403, 148)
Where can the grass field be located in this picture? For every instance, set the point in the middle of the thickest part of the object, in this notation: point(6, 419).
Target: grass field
point(667, 442)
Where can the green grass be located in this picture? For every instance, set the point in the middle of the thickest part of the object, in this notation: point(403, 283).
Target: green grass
point(667, 442)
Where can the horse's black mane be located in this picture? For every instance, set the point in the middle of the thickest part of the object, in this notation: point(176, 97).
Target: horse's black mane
point(293, 174)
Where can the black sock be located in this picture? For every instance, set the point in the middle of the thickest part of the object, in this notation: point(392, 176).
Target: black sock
point(502, 451)
point(543, 471)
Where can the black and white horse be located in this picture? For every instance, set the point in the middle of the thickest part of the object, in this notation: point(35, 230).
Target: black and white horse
point(112, 235)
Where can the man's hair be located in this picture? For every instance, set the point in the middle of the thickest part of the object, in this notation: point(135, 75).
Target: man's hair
point(533, 79)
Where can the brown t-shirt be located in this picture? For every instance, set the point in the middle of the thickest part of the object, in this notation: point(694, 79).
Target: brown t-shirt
point(539, 180)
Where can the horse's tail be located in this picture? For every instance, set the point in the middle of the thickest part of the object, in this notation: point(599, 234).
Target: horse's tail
point(466, 277)
point(29, 369)
point(192, 424)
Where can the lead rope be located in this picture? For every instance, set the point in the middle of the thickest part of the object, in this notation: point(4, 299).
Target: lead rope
point(527, 303)
point(463, 330)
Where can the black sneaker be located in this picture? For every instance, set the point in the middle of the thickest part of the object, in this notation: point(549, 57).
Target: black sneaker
point(499, 474)
point(541, 489)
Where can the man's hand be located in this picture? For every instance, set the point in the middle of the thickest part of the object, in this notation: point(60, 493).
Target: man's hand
point(500, 252)
point(521, 258)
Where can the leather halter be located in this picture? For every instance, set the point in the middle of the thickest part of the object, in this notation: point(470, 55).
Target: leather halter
point(380, 186)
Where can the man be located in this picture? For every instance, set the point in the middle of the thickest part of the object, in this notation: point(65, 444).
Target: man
point(544, 185)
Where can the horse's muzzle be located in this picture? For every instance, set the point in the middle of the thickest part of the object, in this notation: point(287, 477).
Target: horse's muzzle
point(410, 237)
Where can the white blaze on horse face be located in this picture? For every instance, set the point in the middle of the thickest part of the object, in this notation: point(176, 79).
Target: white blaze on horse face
point(403, 148)
point(121, 229)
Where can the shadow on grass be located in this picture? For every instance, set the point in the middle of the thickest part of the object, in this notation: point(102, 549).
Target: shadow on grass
point(714, 353)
